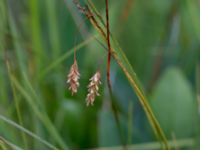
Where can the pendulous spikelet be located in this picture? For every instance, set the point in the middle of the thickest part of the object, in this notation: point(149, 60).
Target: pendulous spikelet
point(93, 88)
point(73, 77)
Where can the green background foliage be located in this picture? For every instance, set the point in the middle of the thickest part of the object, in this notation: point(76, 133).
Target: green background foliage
point(37, 40)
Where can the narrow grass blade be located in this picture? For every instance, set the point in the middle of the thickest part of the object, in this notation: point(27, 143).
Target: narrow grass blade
point(42, 116)
point(36, 37)
point(3, 30)
point(11, 145)
point(126, 67)
point(19, 51)
point(53, 27)
point(193, 11)
point(17, 105)
point(22, 129)
point(21, 61)
point(182, 143)
point(55, 46)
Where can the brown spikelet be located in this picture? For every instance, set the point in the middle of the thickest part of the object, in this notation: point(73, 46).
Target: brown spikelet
point(73, 77)
point(93, 88)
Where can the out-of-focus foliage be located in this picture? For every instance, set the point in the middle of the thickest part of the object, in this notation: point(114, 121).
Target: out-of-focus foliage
point(161, 40)
point(174, 104)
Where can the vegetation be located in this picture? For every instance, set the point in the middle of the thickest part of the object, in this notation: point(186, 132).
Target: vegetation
point(149, 93)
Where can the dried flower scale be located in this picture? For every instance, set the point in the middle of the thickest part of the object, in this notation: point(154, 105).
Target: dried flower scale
point(73, 77)
point(93, 88)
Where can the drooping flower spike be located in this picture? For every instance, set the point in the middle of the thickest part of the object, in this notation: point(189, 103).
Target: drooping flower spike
point(93, 88)
point(73, 77)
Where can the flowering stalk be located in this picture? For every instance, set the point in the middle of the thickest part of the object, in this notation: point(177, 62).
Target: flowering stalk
point(73, 77)
point(93, 88)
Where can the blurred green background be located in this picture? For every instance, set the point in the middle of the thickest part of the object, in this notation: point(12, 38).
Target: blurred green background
point(161, 39)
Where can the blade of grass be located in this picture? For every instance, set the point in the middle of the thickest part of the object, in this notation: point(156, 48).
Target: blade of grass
point(17, 105)
point(21, 59)
point(3, 31)
point(36, 38)
point(122, 61)
point(194, 16)
point(108, 73)
point(19, 51)
point(53, 28)
point(2, 145)
point(182, 143)
point(54, 43)
point(133, 80)
point(42, 116)
point(126, 67)
point(22, 129)
point(39, 100)
point(11, 145)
